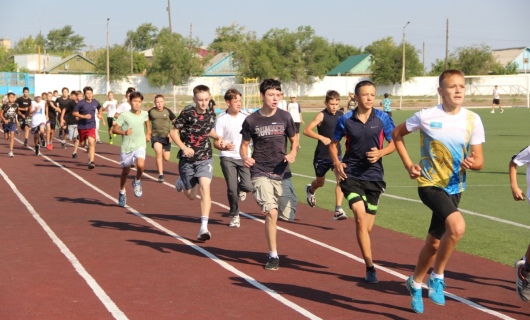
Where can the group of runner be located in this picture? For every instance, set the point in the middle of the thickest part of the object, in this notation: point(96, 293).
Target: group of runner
point(255, 157)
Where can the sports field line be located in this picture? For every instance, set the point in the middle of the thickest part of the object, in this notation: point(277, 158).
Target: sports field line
point(92, 283)
point(337, 250)
point(471, 213)
point(205, 252)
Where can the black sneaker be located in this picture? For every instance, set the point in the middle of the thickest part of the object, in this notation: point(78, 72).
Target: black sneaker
point(272, 264)
point(91, 165)
point(133, 166)
point(63, 145)
point(161, 178)
point(74, 155)
point(37, 150)
point(26, 143)
point(371, 277)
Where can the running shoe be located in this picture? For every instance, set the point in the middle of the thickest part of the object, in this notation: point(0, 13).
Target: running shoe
point(340, 214)
point(122, 199)
point(502, 110)
point(110, 141)
point(272, 263)
point(10, 154)
point(17, 132)
point(37, 150)
point(74, 155)
point(417, 302)
point(161, 178)
point(310, 197)
point(522, 285)
point(25, 142)
point(179, 185)
point(133, 166)
point(436, 291)
point(235, 222)
point(49, 146)
point(371, 277)
point(91, 165)
point(63, 145)
point(60, 134)
point(242, 195)
point(137, 185)
point(204, 234)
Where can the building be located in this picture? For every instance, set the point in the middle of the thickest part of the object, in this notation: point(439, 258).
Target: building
point(34, 63)
point(358, 65)
point(519, 55)
point(5, 42)
point(73, 64)
point(220, 65)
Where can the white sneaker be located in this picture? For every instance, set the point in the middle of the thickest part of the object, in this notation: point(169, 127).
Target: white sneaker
point(235, 222)
point(10, 154)
point(204, 234)
point(492, 111)
point(502, 110)
point(242, 195)
point(340, 214)
point(310, 197)
point(179, 185)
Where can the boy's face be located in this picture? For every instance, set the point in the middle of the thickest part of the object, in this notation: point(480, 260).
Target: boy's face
point(65, 93)
point(50, 96)
point(366, 96)
point(271, 97)
point(159, 103)
point(11, 98)
point(202, 99)
point(26, 93)
point(44, 96)
point(332, 105)
point(136, 103)
point(234, 105)
point(111, 96)
point(88, 95)
point(293, 99)
point(453, 90)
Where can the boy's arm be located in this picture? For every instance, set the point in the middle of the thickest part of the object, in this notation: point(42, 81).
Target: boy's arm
point(399, 132)
point(334, 154)
point(217, 138)
point(243, 152)
point(2, 115)
point(375, 154)
point(517, 193)
point(308, 130)
point(147, 130)
point(175, 136)
point(474, 161)
point(291, 156)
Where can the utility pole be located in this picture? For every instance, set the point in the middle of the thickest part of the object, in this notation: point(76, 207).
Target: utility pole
point(447, 44)
point(131, 57)
point(108, 68)
point(169, 15)
point(403, 68)
point(191, 34)
point(423, 57)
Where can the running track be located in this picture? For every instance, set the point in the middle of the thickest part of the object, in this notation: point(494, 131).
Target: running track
point(69, 252)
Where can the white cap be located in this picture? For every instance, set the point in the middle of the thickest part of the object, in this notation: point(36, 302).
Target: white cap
point(293, 95)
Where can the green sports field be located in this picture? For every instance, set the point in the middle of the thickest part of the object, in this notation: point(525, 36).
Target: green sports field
point(498, 228)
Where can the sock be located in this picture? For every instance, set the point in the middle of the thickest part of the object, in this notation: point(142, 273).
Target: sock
point(122, 191)
point(338, 207)
point(273, 254)
point(437, 276)
point(204, 221)
point(64, 141)
point(416, 285)
point(371, 269)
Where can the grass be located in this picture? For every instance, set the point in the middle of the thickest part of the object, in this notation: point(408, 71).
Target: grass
point(488, 191)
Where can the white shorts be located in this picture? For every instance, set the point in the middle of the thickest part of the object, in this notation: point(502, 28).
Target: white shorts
point(127, 159)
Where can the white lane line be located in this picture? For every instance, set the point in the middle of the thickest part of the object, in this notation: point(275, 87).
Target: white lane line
point(347, 254)
point(98, 291)
point(471, 213)
point(214, 258)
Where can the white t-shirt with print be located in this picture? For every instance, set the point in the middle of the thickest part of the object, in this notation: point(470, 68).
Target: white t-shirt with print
point(39, 114)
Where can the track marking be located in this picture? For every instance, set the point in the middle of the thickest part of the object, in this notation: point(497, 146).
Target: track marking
point(92, 283)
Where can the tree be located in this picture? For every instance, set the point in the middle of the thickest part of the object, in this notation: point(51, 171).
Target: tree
point(174, 60)
point(229, 38)
point(64, 40)
point(143, 38)
point(343, 51)
point(119, 63)
point(6, 64)
point(475, 60)
point(25, 46)
point(387, 61)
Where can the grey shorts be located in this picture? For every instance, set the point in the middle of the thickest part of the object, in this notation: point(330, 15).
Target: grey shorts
point(190, 172)
point(72, 132)
point(275, 194)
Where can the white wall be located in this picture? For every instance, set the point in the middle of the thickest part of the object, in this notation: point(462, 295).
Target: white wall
point(419, 86)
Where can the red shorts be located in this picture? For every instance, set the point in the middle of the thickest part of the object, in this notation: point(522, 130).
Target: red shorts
point(85, 133)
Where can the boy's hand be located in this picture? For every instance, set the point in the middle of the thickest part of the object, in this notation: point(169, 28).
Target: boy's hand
point(339, 167)
point(468, 162)
point(518, 194)
point(230, 146)
point(188, 152)
point(128, 132)
point(373, 155)
point(289, 158)
point(88, 116)
point(147, 137)
point(249, 162)
point(414, 171)
point(326, 141)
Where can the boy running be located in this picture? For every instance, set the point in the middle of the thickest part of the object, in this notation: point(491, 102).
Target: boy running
point(24, 106)
point(161, 119)
point(53, 110)
point(8, 115)
point(269, 128)
point(86, 110)
point(110, 107)
point(325, 122)
point(39, 116)
point(130, 125)
point(451, 143)
point(192, 130)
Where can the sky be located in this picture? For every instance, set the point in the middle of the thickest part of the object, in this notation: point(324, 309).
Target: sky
point(498, 24)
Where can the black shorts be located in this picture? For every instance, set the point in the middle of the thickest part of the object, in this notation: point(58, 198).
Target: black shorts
point(297, 127)
point(322, 166)
point(442, 205)
point(110, 122)
point(163, 141)
point(360, 190)
point(496, 101)
point(24, 122)
point(52, 125)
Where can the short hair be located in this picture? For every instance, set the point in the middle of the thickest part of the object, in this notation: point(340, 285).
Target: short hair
point(110, 92)
point(270, 84)
point(10, 93)
point(55, 91)
point(25, 89)
point(129, 91)
point(448, 73)
point(332, 95)
point(78, 92)
point(136, 94)
point(363, 83)
point(65, 88)
point(159, 96)
point(232, 93)
point(200, 88)
point(44, 94)
point(85, 89)
point(385, 95)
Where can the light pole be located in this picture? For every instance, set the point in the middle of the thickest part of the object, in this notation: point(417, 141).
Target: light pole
point(403, 67)
point(108, 68)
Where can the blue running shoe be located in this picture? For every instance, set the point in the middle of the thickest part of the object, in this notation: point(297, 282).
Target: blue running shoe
point(137, 188)
point(179, 185)
point(371, 277)
point(122, 199)
point(436, 291)
point(417, 302)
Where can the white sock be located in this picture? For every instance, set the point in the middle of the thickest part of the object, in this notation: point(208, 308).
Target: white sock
point(273, 254)
point(416, 285)
point(204, 221)
point(437, 276)
point(122, 191)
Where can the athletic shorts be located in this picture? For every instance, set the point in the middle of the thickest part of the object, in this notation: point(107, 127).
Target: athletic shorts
point(128, 159)
point(110, 122)
point(9, 127)
point(25, 122)
point(163, 141)
point(297, 127)
point(322, 166)
point(442, 205)
point(496, 101)
point(360, 190)
point(275, 194)
point(52, 124)
point(37, 128)
point(86, 133)
point(191, 171)
point(72, 132)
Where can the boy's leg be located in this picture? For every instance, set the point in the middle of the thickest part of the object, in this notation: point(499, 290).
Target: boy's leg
point(123, 177)
point(157, 146)
point(206, 200)
point(140, 165)
point(11, 140)
point(229, 169)
point(455, 226)
point(426, 258)
point(271, 219)
point(363, 226)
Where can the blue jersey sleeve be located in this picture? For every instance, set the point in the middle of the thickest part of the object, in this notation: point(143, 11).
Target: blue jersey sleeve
point(339, 127)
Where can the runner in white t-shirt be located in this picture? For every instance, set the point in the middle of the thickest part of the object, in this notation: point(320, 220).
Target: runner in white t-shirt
point(110, 106)
point(39, 116)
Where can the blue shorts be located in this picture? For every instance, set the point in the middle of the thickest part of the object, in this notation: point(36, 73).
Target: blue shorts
point(322, 166)
point(9, 127)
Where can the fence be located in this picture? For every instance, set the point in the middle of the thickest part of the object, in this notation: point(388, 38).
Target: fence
point(15, 81)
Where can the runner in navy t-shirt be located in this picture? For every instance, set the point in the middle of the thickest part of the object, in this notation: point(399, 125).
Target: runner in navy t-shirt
point(86, 125)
